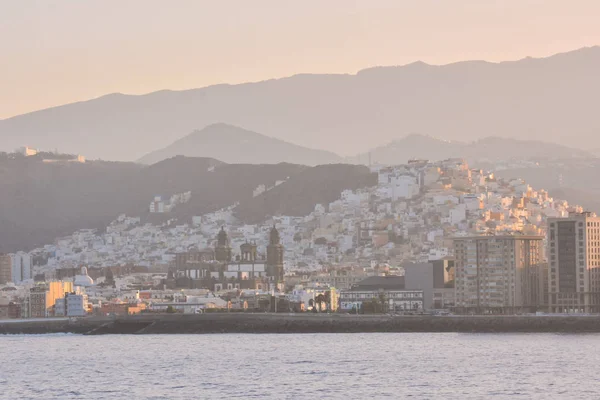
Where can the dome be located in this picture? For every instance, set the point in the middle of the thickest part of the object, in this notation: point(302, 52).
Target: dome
point(83, 279)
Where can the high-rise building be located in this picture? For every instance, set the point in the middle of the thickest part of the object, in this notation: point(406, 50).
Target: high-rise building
point(22, 267)
point(5, 269)
point(500, 273)
point(574, 257)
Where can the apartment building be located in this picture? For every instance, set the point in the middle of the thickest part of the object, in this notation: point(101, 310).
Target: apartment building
point(574, 257)
point(5, 269)
point(500, 274)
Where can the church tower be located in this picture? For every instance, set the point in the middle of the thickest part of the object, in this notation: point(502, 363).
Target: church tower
point(223, 251)
point(275, 259)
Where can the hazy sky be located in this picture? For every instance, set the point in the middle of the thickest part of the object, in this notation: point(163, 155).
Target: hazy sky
point(57, 52)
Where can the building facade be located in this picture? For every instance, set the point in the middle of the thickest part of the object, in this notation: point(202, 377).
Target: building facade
point(56, 290)
point(36, 302)
point(435, 279)
point(22, 267)
point(71, 305)
point(5, 269)
point(388, 291)
point(500, 274)
point(216, 269)
point(574, 257)
point(392, 300)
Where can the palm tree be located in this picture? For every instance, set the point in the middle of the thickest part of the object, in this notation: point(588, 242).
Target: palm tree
point(320, 299)
point(327, 297)
point(382, 302)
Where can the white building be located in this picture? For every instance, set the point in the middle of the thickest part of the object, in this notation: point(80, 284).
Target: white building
point(22, 267)
point(394, 300)
point(72, 305)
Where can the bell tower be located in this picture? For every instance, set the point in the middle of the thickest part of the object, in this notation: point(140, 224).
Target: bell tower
point(223, 250)
point(275, 259)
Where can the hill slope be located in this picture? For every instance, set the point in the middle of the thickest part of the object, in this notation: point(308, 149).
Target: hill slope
point(299, 195)
point(551, 99)
point(40, 202)
point(236, 145)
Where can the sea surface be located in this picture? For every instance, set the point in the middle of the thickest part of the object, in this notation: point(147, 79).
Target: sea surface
point(307, 366)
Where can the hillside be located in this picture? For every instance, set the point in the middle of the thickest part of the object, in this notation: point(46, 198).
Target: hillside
point(40, 202)
point(490, 149)
point(298, 196)
point(551, 99)
point(573, 180)
point(236, 145)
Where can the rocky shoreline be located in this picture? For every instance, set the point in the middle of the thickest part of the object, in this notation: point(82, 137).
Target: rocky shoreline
point(300, 323)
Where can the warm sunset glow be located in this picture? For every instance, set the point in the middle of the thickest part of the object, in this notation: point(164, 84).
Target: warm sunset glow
point(60, 52)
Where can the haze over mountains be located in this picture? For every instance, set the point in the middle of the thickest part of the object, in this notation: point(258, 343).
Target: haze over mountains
point(491, 149)
point(236, 145)
point(552, 99)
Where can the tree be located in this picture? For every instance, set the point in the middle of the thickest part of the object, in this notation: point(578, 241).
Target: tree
point(319, 300)
point(321, 241)
point(171, 310)
point(382, 302)
point(327, 299)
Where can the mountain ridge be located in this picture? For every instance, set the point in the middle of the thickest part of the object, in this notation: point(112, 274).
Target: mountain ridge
point(492, 148)
point(550, 98)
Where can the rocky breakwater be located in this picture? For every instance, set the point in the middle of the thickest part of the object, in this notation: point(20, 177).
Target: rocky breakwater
point(303, 323)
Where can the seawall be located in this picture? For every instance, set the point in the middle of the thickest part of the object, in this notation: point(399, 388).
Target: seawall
point(300, 323)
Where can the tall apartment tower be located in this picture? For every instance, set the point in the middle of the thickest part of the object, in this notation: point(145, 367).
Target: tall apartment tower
point(22, 267)
point(574, 256)
point(501, 274)
point(5, 269)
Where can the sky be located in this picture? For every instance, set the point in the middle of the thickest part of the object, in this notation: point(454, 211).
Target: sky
point(56, 52)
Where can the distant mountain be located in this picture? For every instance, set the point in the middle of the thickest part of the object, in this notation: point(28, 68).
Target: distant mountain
point(552, 99)
point(236, 145)
point(491, 149)
point(42, 201)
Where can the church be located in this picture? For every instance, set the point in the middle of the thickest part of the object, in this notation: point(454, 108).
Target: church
point(217, 269)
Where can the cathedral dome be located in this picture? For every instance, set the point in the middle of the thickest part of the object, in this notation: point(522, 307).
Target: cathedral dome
point(83, 279)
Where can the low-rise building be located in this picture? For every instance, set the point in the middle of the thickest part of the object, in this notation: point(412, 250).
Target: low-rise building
point(72, 305)
point(388, 291)
point(36, 302)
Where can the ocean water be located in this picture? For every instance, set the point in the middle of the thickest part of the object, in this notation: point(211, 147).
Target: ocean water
point(308, 366)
